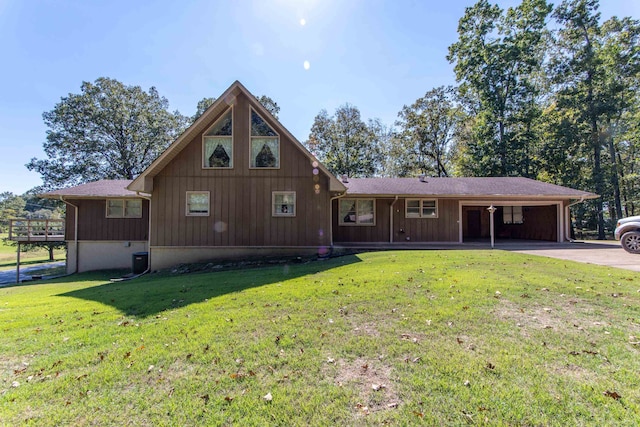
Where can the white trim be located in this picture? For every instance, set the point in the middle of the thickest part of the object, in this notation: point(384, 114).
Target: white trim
point(186, 204)
point(274, 211)
point(251, 137)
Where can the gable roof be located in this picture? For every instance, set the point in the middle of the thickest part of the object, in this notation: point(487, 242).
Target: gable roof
point(144, 182)
point(455, 187)
point(97, 189)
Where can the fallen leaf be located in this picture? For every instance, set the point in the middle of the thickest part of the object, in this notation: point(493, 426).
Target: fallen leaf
point(228, 399)
point(268, 397)
point(418, 414)
point(612, 394)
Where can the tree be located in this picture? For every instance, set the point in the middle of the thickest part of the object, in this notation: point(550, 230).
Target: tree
point(11, 207)
point(344, 143)
point(497, 57)
point(266, 102)
point(426, 132)
point(108, 131)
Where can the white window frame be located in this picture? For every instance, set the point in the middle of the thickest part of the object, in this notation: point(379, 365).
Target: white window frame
point(204, 142)
point(275, 212)
point(510, 212)
point(421, 207)
point(123, 213)
point(251, 139)
point(188, 211)
point(357, 222)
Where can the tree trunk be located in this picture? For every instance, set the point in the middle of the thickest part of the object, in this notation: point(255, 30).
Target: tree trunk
point(51, 258)
point(614, 172)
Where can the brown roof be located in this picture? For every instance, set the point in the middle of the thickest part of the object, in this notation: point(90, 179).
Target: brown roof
point(470, 187)
point(103, 188)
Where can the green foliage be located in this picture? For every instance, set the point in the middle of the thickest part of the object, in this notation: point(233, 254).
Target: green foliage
point(11, 207)
point(346, 144)
point(498, 59)
point(108, 131)
point(426, 133)
point(446, 338)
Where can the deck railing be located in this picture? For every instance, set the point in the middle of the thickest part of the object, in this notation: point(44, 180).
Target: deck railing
point(36, 230)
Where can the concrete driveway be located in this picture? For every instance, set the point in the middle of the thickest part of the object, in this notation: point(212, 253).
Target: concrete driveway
point(607, 253)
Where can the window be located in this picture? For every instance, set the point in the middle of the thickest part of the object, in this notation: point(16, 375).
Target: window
point(357, 212)
point(512, 215)
point(197, 203)
point(283, 203)
point(265, 144)
point(217, 143)
point(124, 208)
point(421, 208)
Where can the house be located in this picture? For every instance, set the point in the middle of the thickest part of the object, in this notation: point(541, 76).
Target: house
point(238, 184)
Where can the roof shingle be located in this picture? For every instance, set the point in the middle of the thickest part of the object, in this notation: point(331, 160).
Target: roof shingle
point(498, 186)
point(102, 188)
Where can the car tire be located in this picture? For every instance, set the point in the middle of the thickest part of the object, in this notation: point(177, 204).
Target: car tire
point(630, 242)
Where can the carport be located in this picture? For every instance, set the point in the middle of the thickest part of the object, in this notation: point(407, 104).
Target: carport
point(512, 219)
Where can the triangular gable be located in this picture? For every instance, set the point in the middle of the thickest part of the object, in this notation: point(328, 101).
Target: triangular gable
point(144, 182)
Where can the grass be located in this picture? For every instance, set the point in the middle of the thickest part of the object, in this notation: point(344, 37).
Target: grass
point(395, 338)
point(34, 257)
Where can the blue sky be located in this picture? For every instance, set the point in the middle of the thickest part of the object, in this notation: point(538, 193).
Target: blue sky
point(377, 55)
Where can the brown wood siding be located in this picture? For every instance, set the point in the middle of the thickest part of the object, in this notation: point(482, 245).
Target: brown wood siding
point(441, 229)
point(240, 198)
point(94, 225)
point(539, 223)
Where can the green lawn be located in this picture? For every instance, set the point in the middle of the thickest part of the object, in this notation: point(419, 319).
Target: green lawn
point(383, 338)
point(38, 256)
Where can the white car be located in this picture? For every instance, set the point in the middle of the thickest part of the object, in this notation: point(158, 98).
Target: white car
point(628, 232)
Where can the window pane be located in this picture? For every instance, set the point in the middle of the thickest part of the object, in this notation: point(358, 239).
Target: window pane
point(223, 127)
point(507, 215)
point(133, 208)
point(198, 203)
point(365, 211)
point(265, 153)
point(218, 152)
point(429, 208)
point(413, 207)
point(517, 215)
point(347, 211)
point(284, 204)
point(259, 127)
point(114, 208)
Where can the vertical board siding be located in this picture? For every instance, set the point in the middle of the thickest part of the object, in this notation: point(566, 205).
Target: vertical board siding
point(93, 223)
point(441, 229)
point(240, 198)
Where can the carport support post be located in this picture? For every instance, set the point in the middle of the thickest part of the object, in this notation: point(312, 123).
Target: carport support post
point(18, 265)
point(491, 210)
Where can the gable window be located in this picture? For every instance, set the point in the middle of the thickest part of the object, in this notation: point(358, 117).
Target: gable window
point(421, 208)
point(217, 143)
point(356, 212)
point(283, 203)
point(124, 208)
point(512, 215)
point(265, 144)
point(197, 203)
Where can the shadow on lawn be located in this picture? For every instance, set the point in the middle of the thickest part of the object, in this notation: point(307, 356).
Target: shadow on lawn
point(154, 293)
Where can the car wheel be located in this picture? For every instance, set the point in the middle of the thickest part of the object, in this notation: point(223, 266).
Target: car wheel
point(631, 242)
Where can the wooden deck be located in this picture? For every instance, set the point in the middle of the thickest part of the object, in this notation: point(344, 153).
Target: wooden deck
point(37, 230)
